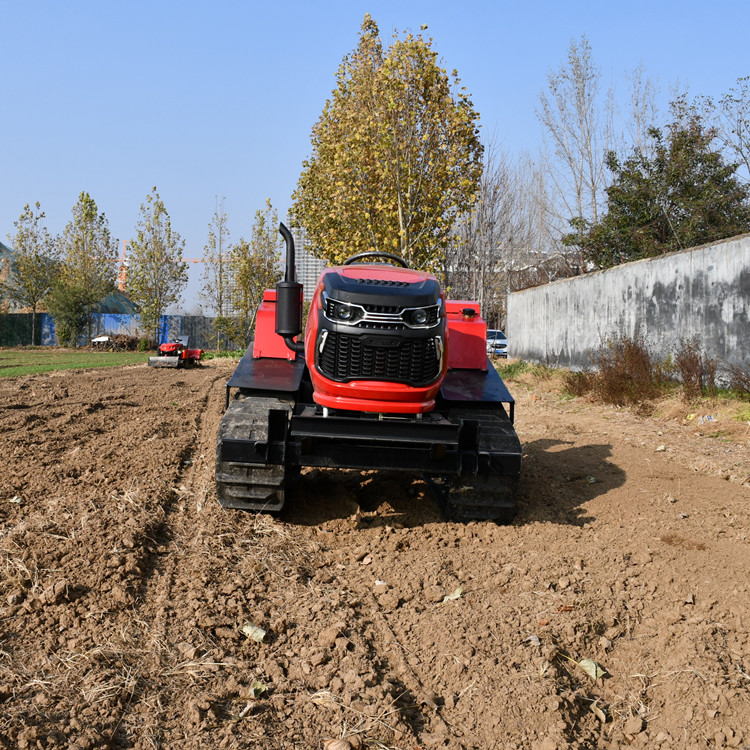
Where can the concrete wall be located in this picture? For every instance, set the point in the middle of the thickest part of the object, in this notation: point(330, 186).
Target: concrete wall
point(703, 292)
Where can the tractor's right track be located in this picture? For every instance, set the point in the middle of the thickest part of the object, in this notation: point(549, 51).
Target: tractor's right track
point(491, 494)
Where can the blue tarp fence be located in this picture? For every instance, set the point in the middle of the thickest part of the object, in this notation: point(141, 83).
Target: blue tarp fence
point(15, 329)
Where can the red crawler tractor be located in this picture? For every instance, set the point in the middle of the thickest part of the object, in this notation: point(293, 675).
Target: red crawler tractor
point(175, 354)
point(389, 375)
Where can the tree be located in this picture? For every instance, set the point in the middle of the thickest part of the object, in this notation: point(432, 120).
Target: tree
point(506, 242)
point(643, 110)
point(484, 239)
point(395, 157)
point(255, 268)
point(579, 126)
point(734, 123)
point(69, 306)
point(36, 263)
point(216, 274)
point(156, 273)
point(686, 194)
point(89, 258)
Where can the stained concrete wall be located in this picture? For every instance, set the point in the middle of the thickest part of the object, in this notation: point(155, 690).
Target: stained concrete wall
point(703, 292)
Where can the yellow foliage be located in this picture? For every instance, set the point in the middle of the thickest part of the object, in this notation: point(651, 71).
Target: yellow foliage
point(395, 155)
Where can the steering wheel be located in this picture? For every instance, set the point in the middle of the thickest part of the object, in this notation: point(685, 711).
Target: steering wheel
point(375, 254)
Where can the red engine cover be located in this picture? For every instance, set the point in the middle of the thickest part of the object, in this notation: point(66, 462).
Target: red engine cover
point(467, 336)
point(267, 342)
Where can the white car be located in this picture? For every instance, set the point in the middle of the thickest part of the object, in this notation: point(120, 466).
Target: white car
point(497, 343)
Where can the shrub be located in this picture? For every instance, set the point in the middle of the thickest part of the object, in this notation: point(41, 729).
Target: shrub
point(579, 383)
point(627, 373)
point(738, 379)
point(697, 371)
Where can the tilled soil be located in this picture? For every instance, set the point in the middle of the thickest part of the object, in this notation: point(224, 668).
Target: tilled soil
point(613, 612)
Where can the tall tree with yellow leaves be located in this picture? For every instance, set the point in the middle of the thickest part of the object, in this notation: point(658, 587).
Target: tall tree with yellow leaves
point(396, 155)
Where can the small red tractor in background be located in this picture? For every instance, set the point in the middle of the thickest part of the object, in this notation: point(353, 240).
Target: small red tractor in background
point(389, 375)
point(175, 354)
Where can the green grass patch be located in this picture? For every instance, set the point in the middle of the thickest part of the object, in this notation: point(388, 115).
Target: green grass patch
point(521, 367)
point(18, 362)
point(513, 369)
point(225, 354)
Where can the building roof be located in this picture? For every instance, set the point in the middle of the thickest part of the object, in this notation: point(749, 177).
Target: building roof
point(117, 303)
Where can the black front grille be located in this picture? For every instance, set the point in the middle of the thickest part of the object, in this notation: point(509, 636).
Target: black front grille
point(414, 361)
point(387, 309)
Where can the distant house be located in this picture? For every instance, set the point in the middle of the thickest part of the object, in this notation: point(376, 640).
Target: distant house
point(6, 259)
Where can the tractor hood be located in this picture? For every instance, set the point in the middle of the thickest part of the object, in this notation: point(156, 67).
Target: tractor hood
point(381, 284)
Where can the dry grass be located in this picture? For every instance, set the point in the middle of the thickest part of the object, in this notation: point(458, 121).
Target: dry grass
point(269, 549)
point(739, 379)
point(625, 373)
point(363, 724)
point(697, 370)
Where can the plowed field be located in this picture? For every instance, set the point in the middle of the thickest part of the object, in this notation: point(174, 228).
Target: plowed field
point(613, 612)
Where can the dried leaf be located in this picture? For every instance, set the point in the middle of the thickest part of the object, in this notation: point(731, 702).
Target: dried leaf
point(246, 710)
point(253, 632)
point(455, 595)
point(591, 668)
point(598, 712)
point(258, 688)
point(533, 640)
point(337, 745)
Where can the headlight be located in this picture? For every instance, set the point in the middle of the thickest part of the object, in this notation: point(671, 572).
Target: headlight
point(343, 312)
point(419, 316)
point(422, 317)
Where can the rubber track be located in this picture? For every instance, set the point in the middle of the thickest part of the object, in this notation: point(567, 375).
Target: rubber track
point(246, 486)
point(491, 495)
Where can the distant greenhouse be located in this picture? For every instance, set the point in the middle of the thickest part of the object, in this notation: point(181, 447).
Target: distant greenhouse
point(117, 303)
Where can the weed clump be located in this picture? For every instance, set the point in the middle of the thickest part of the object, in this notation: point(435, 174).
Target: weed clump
point(697, 370)
point(627, 374)
point(739, 380)
point(579, 383)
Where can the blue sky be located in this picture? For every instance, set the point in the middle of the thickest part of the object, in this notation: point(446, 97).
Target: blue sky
point(207, 99)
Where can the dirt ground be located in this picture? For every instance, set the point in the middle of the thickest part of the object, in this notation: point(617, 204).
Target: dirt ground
point(614, 612)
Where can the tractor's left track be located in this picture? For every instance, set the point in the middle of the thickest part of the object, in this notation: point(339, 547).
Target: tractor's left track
point(247, 485)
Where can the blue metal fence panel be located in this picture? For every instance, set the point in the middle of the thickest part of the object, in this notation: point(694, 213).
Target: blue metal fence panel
point(48, 330)
point(112, 324)
point(197, 328)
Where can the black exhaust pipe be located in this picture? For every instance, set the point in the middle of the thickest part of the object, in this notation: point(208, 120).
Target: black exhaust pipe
point(289, 299)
